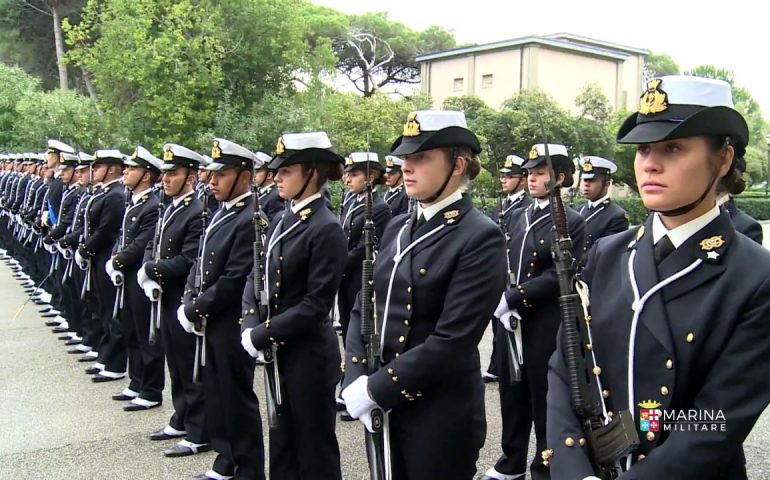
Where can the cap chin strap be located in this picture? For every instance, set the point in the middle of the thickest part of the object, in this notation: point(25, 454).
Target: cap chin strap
point(181, 187)
point(235, 183)
point(675, 212)
point(307, 182)
point(440, 191)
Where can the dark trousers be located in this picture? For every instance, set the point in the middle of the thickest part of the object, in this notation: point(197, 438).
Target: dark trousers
point(492, 369)
point(440, 436)
point(187, 396)
point(145, 361)
point(523, 403)
point(113, 350)
point(304, 446)
point(346, 298)
point(232, 408)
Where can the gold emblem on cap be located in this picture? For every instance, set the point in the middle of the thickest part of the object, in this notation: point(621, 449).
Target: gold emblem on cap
point(588, 166)
point(388, 162)
point(533, 153)
point(135, 154)
point(508, 161)
point(348, 161)
point(412, 126)
point(709, 244)
point(216, 152)
point(168, 155)
point(280, 148)
point(654, 100)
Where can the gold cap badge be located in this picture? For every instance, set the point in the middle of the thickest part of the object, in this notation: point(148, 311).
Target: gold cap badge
point(712, 243)
point(654, 100)
point(587, 166)
point(412, 126)
point(508, 161)
point(167, 154)
point(135, 154)
point(388, 163)
point(216, 152)
point(533, 153)
point(280, 148)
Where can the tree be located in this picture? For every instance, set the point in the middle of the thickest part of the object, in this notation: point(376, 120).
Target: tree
point(593, 103)
point(27, 39)
point(657, 65)
point(15, 85)
point(374, 52)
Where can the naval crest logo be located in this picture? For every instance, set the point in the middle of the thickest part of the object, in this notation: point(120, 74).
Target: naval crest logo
point(533, 153)
point(711, 243)
point(280, 148)
point(168, 155)
point(654, 100)
point(650, 416)
point(412, 126)
point(588, 166)
point(216, 152)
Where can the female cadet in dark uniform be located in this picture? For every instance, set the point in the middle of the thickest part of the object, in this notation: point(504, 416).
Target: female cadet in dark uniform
point(395, 197)
point(679, 306)
point(437, 279)
point(356, 167)
point(302, 273)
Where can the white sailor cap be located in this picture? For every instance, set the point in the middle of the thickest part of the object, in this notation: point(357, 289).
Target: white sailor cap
point(429, 129)
point(304, 147)
point(362, 161)
point(84, 160)
point(514, 163)
point(261, 160)
point(557, 152)
point(144, 159)
point(55, 146)
point(393, 163)
point(175, 156)
point(591, 166)
point(226, 154)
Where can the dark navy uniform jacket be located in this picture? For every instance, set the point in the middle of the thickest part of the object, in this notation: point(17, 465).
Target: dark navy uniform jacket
point(272, 203)
point(743, 222)
point(104, 216)
point(66, 214)
point(434, 306)
point(136, 233)
point(605, 219)
point(699, 343)
point(397, 200)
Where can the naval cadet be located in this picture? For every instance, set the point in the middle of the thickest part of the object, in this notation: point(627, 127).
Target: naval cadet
point(302, 273)
point(678, 306)
point(603, 216)
point(208, 310)
point(529, 311)
point(395, 197)
point(269, 199)
point(167, 262)
point(437, 279)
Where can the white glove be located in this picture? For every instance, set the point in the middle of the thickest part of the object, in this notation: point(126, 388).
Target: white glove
point(592, 478)
point(117, 278)
point(80, 261)
point(249, 346)
point(152, 290)
point(109, 268)
point(186, 324)
point(507, 319)
point(358, 402)
point(141, 276)
point(502, 307)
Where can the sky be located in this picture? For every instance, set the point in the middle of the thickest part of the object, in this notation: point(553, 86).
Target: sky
point(733, 35)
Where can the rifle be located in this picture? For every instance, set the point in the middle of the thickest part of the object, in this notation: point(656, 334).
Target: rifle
point(272, 385)
point(121, 288)
point(200, 354)
point(608, 441)
point(375, 441)
point(512, 345)
point(86, 225)
point(156, 246)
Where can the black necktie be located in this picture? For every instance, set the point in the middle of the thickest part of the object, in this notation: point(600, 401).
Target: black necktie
point(506, 203)
point(420, 221)
point(663, 248)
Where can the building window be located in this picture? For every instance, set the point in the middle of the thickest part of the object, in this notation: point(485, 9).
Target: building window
point(458, 84)
point(486, 81)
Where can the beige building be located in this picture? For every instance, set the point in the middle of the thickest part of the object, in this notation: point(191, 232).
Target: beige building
point(560, 65)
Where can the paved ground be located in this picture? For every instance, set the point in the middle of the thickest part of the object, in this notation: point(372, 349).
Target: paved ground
point(56, 424)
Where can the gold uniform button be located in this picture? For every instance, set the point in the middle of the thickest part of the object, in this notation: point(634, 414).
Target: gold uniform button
point(406, 322)
point(669, 364)
point(611, 414)
point(542, 241)
point(354, 359)
point(401, 339)
point(640, 457)
point(589, 347)
point(650, 437)
point(582, 442)
point(690, 337)
point(606, 393)
point(569, 441)
point(409, 290)
point(391, 371)
point(423, 272)
point(664, 391)
point(408, 307)
point(240, 321)
point(597, 370)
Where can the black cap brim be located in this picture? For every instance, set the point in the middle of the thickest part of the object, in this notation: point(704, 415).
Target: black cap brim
point(706, 122)
point(308, 155)
point(446, 137)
